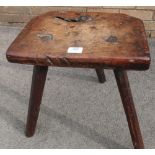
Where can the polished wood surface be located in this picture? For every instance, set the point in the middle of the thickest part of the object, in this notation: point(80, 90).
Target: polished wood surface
point(109, 40)
point(129, 108)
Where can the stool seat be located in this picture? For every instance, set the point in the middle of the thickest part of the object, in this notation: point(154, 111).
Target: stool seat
point(109, 40)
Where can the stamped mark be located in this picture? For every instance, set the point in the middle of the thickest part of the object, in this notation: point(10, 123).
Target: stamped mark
point(45, 37)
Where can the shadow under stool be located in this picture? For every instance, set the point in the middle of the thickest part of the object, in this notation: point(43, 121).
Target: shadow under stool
point(86, 40)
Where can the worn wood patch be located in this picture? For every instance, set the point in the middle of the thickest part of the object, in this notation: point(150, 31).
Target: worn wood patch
point(110, 40)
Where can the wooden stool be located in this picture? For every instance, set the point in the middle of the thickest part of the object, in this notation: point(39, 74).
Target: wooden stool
point(88, 40)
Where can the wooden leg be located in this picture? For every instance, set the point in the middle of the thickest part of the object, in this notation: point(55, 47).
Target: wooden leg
point(37, 87)
point(100, 75)
point(130, 111)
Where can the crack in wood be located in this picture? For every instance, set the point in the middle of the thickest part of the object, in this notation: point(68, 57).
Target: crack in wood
point(78, 19)
point(67, 62)
point(48, 59)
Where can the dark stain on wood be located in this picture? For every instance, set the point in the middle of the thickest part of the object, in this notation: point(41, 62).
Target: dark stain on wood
point(93, 27)
point(112, 39)
point(45, 37)
point(105, 41)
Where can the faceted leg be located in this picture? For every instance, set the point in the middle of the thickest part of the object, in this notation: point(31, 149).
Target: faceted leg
point(130, 111)
point(100, 74)
point(37, 87)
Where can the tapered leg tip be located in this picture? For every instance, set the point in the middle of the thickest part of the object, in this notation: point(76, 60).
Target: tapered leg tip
point(28, 135)
point(102, 81)
point(139, 147)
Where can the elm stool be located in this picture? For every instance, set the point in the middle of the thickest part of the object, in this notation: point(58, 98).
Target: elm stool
point(86, 40)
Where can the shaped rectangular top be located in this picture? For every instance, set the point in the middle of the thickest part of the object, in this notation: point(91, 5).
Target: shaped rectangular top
point(111, 40)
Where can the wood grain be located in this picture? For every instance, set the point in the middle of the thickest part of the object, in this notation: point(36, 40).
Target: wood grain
point(129, 108)
point(109, 40)
point(37, 87)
